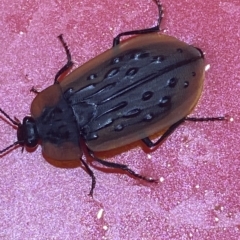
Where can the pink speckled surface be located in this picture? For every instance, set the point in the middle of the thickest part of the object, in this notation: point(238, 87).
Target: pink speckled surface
point(199, 167)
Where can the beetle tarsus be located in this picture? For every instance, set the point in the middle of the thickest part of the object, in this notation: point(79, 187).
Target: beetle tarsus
point(91, 174)
point(156, 28)
point(69, 63)
point(131, 172)
point(206, 119)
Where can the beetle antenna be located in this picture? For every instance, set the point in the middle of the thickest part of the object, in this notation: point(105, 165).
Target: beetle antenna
point(9, 118)
point(12, 145)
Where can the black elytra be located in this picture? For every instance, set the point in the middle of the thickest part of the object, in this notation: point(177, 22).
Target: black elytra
point(139, 87)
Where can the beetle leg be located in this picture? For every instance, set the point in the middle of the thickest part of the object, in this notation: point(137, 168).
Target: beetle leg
point(120, 166)
point(170, 130)
point(69, 63)
point(91, 174)
point(116, 40)
point(207, 119)
point(151, 144)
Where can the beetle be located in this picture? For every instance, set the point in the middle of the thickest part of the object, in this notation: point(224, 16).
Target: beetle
point(141, 86)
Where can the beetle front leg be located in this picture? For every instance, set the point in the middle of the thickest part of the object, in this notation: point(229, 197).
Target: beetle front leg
point(69, 63)
point(147, 141)
point(122, 167)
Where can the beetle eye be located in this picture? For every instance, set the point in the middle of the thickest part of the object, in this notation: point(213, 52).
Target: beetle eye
point(32, 142)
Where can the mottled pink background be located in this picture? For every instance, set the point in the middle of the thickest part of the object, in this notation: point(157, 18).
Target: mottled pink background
point(198, 166)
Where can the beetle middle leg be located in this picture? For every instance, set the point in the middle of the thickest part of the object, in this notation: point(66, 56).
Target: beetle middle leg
point(91, 174)
point(116, 40)
point(172, 128)
point(122, 167)
point(69, 63)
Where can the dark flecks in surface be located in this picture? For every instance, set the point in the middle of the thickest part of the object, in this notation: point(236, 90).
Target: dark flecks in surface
point(119, 127)
point(164, 101)
point(186, 84)
point(172, 82)
point(92, 76)
point(147, 95)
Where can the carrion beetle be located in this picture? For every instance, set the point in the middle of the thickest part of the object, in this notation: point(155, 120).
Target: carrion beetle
point(139, 87)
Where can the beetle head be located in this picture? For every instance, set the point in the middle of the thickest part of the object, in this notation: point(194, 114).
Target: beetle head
point(27, 134)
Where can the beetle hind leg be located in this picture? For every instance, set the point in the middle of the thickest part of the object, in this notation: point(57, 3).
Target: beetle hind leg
point(69, 63)
point(149, 144)
point(116, 40)
point(122, 167)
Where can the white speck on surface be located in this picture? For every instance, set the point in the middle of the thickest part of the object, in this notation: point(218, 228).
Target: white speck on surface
point(105, 227)
point(161, 179)
point(207, 67)
point(100, 213)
